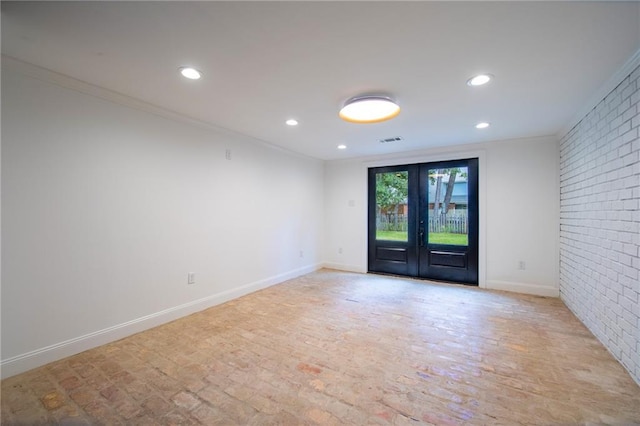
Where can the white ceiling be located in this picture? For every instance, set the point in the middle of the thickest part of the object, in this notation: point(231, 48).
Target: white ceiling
point(265, 62)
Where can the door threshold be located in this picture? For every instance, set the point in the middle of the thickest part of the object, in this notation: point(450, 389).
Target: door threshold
point(387, 274)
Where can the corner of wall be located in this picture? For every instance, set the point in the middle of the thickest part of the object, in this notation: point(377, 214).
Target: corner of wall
point(599, 221)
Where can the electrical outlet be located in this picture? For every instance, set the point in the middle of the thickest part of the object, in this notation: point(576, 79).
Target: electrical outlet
point(191, 278)
point(522, 265)
point(339, 250)
point(301, 253)
point(227, 154)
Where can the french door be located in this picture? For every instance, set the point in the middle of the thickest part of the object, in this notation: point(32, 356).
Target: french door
point(423, 220)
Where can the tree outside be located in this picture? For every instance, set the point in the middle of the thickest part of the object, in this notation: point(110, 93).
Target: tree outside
point(447, 222)
point(392, 190)
point(447, 225)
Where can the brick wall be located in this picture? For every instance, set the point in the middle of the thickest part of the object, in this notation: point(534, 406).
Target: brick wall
point(600, 221)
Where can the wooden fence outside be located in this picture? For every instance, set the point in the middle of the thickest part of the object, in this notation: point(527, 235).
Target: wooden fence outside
point(455, 223)
point(391, 222)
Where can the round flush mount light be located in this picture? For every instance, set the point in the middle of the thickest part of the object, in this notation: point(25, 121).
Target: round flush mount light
point(369, 109)
point(482, 125)
point(342, 146)
point(291, 122)
point(479, 80)
point(190, 73)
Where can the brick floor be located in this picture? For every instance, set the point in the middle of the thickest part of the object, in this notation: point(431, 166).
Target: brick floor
point(342, 348)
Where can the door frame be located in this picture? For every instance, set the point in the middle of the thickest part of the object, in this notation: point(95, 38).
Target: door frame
point(480, 154)
point(417, 257)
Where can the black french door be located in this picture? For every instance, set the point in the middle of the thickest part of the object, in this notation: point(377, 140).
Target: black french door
point(423, 220)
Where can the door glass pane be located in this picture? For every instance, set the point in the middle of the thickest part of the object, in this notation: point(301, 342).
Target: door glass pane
point(448, 202)
point(391, 205)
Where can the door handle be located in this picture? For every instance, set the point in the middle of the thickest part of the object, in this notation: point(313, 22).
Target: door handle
point(421, 237)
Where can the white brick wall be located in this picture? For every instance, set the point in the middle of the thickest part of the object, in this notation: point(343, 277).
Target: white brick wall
point(600, 221)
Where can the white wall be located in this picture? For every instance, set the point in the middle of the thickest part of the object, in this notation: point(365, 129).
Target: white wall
point(518, 211)
point(600, 220)
point(106, 208)
point(522, 216)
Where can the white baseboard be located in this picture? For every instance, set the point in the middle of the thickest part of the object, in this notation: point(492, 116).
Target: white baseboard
point(535, 289)
point(39, 357)
point(344, 267)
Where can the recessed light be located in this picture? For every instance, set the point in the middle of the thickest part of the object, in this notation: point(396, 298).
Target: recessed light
point(479, 80)
point(369, 109)
point(190, 73)
point(342, 147)
point(291, 122)
point(482, 125)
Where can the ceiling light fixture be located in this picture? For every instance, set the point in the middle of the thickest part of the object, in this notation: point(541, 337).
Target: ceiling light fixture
point(190, 73)
point(482, 125)
point(342, 147)
point(291, 122)
point(369, 109)
point(479, 80)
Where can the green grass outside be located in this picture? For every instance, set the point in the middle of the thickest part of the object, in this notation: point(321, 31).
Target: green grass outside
point(446, 238)
point(434, 238)
point(391, 235)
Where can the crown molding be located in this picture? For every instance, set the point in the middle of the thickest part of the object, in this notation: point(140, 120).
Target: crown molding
point(631, 64)
point(43, 74)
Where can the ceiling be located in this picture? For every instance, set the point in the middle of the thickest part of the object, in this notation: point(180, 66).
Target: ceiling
point(265, 62)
